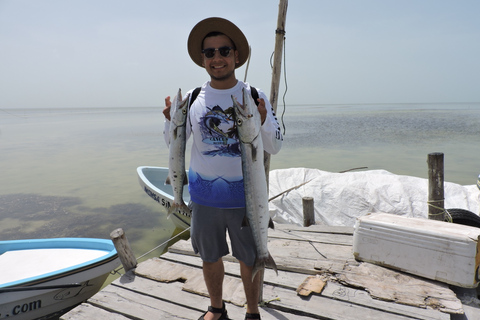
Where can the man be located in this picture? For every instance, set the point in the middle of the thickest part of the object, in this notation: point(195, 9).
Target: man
point(215, 174)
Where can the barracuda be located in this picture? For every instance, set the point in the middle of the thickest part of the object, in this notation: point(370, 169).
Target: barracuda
point(177, 176)
point(248, 123)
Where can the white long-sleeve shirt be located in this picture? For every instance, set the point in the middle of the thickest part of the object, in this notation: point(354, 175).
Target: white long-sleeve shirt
point(215, 173)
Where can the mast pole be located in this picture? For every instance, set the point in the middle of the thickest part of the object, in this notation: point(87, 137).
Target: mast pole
point(277, 67)
point(276, 71)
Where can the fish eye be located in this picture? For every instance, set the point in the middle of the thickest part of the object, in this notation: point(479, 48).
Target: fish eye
point(239, 122)
point(184, 111)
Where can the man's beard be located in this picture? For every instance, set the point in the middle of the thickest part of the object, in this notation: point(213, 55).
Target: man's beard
point(224, 77)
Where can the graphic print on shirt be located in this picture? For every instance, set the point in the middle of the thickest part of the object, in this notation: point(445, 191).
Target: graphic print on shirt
point(219, 136)
point(218, 130)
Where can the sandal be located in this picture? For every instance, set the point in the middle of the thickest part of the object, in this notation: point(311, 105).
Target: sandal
point(221, 310)
point(252, 316)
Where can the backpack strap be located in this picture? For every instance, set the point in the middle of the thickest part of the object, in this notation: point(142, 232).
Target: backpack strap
point(194, 96)
point(254, 94)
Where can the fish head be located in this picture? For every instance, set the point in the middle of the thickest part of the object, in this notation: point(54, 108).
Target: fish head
point(247, 117)
point(179, 109)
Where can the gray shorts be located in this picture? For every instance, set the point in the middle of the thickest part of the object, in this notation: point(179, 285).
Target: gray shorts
point(208, 234)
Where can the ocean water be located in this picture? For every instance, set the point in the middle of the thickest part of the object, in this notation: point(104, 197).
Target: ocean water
point(72, 172)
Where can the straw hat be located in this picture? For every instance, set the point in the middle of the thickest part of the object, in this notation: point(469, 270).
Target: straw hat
point(204, 27)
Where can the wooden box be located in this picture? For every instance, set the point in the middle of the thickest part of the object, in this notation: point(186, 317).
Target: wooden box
point(432, 249)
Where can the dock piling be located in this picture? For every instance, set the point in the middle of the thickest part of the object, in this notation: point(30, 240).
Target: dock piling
point(436, 206)
point(123, 248)
point(308, 211)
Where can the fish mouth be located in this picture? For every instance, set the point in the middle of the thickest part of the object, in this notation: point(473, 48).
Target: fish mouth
point(241, 110)
point(184, 103)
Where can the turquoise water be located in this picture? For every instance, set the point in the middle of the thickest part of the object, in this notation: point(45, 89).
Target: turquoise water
point(72, 172)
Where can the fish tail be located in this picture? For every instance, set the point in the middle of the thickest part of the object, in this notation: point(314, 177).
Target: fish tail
point(181, 208)
point(270, 224)
point(271, 263)
point(260, 264)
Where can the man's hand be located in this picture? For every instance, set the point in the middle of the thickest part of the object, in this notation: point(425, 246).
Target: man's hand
point(166, 110)
point(262, 110)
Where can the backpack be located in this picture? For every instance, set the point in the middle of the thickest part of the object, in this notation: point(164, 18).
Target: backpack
point(197, 91)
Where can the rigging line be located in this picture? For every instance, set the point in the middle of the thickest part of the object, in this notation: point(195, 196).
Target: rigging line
point(143, 255)
point(248, 63)
point(285, 79)
point(307, 240)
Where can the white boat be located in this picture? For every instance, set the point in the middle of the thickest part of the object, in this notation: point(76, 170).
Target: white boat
point(152, 180)
point(44, 278)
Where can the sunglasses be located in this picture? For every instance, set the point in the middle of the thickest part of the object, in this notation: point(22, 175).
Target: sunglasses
point(210, 52)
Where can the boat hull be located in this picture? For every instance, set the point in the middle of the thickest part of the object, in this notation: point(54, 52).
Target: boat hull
point(152, 181)
point(53, 293)
point(46, 304)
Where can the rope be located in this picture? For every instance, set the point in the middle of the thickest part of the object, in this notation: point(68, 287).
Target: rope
point(143, 255)
point(444, 212)
point(448, 216)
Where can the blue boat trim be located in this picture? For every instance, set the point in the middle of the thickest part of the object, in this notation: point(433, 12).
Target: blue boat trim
point(60, 243)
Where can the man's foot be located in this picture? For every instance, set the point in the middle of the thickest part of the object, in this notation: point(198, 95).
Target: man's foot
point(252, 316)
point(216, 311)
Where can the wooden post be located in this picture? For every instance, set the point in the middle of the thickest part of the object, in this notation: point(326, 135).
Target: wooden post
point(277, 67)
point(124, 250)
point(436, 206)
point(308, 211)
point(276, 71)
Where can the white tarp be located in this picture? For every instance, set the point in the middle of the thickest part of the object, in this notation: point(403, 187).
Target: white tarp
point(340, 198)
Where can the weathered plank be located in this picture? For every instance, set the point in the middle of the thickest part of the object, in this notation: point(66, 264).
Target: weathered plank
point(86, 311)
point(333, 266)
point(340, 239)
point(233, 289)
point(172, 291)
point(321, 307)
point(317, 228)
point(166, 271)
point(391, 285)
point(305, 258)
point(284, 279)
point(140, 306)
point(284, 299)
point(305, 251)
point(359, 296)
point(290, 255)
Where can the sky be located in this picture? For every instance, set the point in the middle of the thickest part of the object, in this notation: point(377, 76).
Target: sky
point(132, 53)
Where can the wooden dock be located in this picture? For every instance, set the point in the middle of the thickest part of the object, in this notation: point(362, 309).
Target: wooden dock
point(318, 278)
